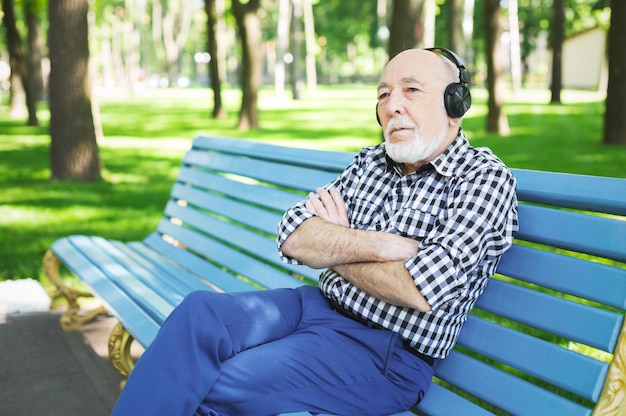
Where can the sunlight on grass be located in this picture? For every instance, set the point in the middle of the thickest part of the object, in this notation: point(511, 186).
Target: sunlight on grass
point(590, 352)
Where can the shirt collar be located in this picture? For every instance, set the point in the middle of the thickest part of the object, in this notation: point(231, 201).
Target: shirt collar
point(447, 162)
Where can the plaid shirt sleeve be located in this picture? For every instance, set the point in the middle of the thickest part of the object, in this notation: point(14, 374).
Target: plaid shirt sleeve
point(292, 218)
point(472, 230)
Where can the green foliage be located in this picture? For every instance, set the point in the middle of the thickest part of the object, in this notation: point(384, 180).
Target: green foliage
point(147, 134)
point(535, 17)
point(582, 15)
point(341, 22)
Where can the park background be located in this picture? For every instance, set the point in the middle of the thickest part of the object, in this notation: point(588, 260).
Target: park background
point(151, 88)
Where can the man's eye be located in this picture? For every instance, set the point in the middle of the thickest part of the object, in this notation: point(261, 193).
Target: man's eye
point(383, 95)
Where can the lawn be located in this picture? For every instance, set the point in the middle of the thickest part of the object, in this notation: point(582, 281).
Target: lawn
point(146, 134)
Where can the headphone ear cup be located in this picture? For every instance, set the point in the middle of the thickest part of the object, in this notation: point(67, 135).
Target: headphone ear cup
point(377, 117)
point(457, 99)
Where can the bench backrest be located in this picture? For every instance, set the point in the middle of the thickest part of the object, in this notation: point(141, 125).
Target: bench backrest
point(542, 336)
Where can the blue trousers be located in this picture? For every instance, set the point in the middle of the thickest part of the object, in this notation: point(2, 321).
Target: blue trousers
point(270, 352)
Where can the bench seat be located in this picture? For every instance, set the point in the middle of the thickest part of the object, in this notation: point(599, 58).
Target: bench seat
point(547, 337)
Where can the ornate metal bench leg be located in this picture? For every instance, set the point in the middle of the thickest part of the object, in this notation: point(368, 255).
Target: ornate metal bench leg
point(119, 351)
point(71, 320)
point(613, 399)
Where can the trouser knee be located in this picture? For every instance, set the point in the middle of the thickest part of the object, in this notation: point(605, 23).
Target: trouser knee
point(194, 305)
point(196, 298)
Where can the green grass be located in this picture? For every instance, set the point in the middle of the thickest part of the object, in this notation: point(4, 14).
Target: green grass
point(147, 133)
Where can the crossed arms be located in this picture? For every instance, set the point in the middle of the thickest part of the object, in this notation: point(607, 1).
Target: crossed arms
point(371, 260)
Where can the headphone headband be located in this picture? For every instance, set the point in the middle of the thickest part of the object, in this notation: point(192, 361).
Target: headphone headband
point(457, 98)
point(456, 60)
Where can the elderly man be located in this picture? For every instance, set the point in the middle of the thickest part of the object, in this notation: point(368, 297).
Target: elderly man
point(409, 235)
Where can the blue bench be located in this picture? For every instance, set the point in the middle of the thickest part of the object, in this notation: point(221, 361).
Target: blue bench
point(546, 338)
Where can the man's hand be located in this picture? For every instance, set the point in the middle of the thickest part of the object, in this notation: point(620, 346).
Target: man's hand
point(330, 206)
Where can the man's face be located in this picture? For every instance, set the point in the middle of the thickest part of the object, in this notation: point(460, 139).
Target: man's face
point(410, 107)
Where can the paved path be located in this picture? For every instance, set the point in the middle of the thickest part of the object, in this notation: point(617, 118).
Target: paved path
point(45, 371)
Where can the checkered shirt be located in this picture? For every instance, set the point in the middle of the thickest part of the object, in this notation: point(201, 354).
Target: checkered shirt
point(461, 207)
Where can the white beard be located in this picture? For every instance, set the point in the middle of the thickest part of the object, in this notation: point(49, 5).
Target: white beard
point(418, 149)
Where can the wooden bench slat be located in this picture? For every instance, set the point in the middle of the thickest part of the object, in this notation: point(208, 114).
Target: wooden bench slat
point(141, 293)
point(260, 273)
point(218, 277)
point(559, 366)
point(294, 177)
point(169, 285)
point(256, 244)
point(138, 323)
point(566, 274)
point(504, 390)
point(583, 192)
point(599, 236)
point(278, 199)
point(577, 322)
point(260, 245)
point(171, 289)
point(322, 159)
point(164, 267)
point(246, 214)
point(247, 240)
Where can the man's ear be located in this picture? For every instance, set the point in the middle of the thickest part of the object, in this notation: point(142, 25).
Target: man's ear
point(454, 122)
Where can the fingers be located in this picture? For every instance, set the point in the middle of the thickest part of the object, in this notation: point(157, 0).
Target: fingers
point(328, 205)
point(340, 205)
point(327, 201)
point(316, 206)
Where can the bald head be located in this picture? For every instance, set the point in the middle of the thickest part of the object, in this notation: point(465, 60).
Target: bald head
point(432, 67)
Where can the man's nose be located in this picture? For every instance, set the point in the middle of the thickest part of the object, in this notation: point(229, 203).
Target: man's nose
point(395, 104)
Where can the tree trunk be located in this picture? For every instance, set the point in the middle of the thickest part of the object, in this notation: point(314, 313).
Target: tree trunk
point(73, 148)
point(18, 64)
point(295, 68)
point(17, 96)
point(455, 27)
point(214, 69)
point(515, 56)
point(614, 120)
point(282, 46)
point(309, 36)
point(429, 16)
point(249, 27)
point(406, 30)
point(496, 119)
point(175, 30)
point(468, 34)
point(34, 50)
point(558, 32)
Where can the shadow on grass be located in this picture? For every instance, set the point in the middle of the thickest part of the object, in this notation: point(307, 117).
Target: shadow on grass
point(35, 211)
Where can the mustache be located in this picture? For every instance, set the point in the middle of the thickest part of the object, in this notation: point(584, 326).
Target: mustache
point(399, 123)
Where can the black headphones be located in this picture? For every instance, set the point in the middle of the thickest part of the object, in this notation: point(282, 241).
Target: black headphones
point(456, 97)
